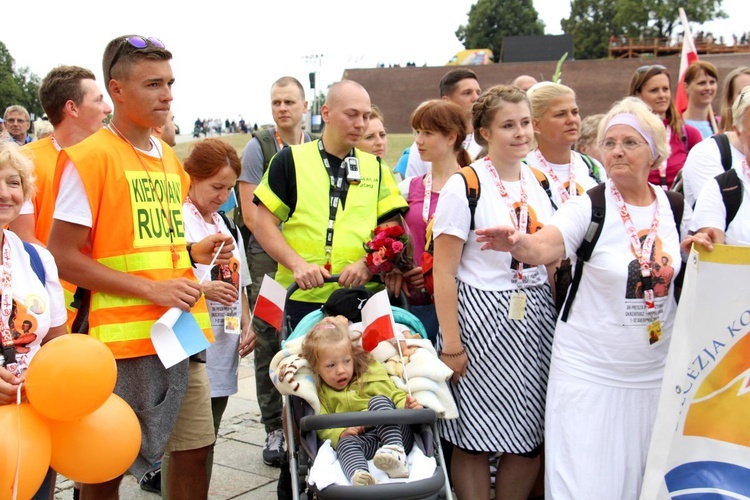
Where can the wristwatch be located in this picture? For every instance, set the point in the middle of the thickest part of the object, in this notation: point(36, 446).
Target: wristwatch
point(189, 247)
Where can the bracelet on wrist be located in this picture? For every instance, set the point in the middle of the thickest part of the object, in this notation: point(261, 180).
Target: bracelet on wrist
point(455, 354)
point(189, 247)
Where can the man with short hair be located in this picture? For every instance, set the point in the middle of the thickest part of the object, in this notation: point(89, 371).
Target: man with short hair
point(118, 232)
point(330, 197)
point(17, 121)
point(524, 82)
point(76, 109)
point(460, 86)
point(288, 106)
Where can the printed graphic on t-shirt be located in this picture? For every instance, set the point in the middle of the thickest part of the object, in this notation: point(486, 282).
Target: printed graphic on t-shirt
point(150, 200)
point(662, 273)
point(229, 273)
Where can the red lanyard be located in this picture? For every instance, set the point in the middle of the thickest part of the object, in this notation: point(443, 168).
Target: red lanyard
point(642, 252)
point(746, 169)
point(572, 191)
point(226, 273)
point(6, 307)
point(520, 220)
point(428, 196)
point(280, 143)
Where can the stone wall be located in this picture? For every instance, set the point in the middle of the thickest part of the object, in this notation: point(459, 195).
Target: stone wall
point(598, 83)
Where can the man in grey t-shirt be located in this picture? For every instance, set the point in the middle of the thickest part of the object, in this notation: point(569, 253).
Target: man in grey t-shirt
point(289, 107)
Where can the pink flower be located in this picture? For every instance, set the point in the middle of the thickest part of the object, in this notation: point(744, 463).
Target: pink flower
point(397, 246)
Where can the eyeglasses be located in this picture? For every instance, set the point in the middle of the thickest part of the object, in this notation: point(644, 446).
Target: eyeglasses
point(136, 41)
point(645, 69)
point(628, 144)
point(15, 120)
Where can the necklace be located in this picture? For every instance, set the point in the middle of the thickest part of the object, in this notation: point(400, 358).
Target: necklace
point(168, 212)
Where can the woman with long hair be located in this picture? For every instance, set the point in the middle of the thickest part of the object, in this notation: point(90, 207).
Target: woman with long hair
point(701, 79)
point(653, 85)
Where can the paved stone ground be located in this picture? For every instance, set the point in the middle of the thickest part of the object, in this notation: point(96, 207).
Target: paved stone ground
point(239, 471)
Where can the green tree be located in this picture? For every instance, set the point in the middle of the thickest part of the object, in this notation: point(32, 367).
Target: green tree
point(593, 22)
point(492, 20)
point(18, 86)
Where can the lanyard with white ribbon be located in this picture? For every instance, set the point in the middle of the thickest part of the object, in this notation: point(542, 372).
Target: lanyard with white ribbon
point(520, 220)
point(642, 252)
point(572, 190)
point(6, 306)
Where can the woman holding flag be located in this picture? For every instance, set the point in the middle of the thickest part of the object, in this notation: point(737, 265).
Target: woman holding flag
point(496, 314)
point(213, 167)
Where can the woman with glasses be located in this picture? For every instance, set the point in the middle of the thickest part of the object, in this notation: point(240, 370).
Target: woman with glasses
point(653, 86)
point(712, 157)
point(609, 352)
point(714, 214)
point(701, 84)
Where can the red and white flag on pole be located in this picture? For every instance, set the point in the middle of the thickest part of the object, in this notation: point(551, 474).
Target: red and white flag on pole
point(689, 56)
point(270, 304)
point(377, 321)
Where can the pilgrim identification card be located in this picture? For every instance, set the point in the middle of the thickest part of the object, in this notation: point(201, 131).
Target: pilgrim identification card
point(654, 332)
point(517, 306)
point(232, 325)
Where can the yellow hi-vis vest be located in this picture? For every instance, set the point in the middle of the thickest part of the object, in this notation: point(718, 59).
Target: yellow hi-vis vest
point(130, 234)
point(305, 231)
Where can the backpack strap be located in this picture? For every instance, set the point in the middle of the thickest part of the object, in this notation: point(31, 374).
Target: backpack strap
point(592, 167)
point(36, 262)
point(543, 181)
point(731, 194)
point(267, 145)
point(473, 190)
point(724, 149)
point(598, 212)
point(231, 225)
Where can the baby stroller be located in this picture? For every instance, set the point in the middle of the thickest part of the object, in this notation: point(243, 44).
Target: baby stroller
point(303, 443)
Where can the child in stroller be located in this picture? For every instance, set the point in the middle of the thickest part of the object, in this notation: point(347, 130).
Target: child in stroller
point(349, 379)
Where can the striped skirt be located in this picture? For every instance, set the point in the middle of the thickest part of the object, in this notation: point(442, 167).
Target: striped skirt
point(501, 399)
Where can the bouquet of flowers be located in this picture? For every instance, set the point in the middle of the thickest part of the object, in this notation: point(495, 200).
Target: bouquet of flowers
point(389, 249)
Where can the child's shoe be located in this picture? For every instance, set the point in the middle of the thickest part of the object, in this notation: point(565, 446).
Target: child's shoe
point(363, 478)
point(391, 459)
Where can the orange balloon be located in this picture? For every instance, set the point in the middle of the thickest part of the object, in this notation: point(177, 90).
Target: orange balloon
point(99, 446)
point(35, 449)
point(70, 377)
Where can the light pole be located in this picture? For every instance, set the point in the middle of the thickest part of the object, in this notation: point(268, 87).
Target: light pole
point(315, 120)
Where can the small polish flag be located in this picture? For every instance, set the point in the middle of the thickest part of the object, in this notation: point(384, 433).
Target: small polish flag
point(377, 321)
point(689, 56)
point(270, 304)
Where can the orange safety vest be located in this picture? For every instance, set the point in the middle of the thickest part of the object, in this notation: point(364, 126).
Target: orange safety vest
point(130, 234)
point(44, 155)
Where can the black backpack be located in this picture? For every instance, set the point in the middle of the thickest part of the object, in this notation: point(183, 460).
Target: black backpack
point(730, 186)
point(598, 212)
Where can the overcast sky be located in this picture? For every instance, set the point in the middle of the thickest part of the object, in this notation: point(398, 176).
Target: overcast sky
point(228, 53)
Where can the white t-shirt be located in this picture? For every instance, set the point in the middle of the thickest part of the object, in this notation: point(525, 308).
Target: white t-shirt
point(37, 308)
point(605, 339)
point(72, 203)
point(583, 179)
point(703, 163)
point(710, 211)
point(222, 357)
point(415, 165)
point(489, 270)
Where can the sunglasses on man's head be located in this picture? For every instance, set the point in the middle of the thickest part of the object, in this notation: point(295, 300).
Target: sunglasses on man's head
point(136, 41)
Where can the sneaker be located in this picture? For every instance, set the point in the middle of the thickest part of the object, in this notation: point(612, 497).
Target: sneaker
point(363, 478)
point(273, 452)
point(151, 480)
point(391, 459)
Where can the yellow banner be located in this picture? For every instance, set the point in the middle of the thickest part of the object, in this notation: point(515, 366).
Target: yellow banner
point(149, 199)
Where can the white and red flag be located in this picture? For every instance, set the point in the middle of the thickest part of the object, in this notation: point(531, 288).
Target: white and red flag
point(377, 321)
point(270, 304)
point(689, 56)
